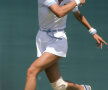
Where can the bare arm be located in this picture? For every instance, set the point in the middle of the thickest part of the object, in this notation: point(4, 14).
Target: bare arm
point(61, 11)
point(84, 21)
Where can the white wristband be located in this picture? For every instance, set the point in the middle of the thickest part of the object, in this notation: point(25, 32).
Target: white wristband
point(78, 2)
point(92, 31)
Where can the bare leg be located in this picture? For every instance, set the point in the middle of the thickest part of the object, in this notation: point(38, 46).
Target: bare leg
point(43, 62)
point(72, 86)
point(53, 74)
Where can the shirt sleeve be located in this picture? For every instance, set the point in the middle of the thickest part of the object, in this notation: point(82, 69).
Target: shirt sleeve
point(75, 9)
point(48, 3)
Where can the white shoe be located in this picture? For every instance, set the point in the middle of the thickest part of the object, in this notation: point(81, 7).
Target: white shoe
point(87, 87)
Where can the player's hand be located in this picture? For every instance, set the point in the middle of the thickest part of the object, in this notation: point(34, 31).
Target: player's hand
point(99, 40)
point(82, 2)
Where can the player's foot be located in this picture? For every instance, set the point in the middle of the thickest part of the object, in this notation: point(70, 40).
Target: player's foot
point(87, 87)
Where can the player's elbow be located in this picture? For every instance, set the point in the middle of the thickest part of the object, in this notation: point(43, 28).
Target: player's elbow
point(60, 14)
point(78, 16)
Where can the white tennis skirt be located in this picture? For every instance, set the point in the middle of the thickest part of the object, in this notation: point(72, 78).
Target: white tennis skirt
point(52, 41)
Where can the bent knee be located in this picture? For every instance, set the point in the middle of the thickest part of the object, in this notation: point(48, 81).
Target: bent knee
point(33, 71)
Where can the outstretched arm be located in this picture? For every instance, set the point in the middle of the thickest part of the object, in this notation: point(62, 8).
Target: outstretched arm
point(84, 21)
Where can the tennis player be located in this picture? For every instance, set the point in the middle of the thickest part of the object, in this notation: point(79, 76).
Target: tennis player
point(51, 42)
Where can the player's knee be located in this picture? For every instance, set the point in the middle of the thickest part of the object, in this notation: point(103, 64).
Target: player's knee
point(32, 71)
point(60, 84)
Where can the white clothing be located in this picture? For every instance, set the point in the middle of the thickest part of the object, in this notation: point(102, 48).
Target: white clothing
point(47, 39)
point(52, 42)
point(47, 19)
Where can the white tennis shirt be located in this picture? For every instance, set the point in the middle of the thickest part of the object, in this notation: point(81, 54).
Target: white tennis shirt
point(47, 19)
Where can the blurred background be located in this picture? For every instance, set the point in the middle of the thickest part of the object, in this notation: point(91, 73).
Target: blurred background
point(85, 64)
